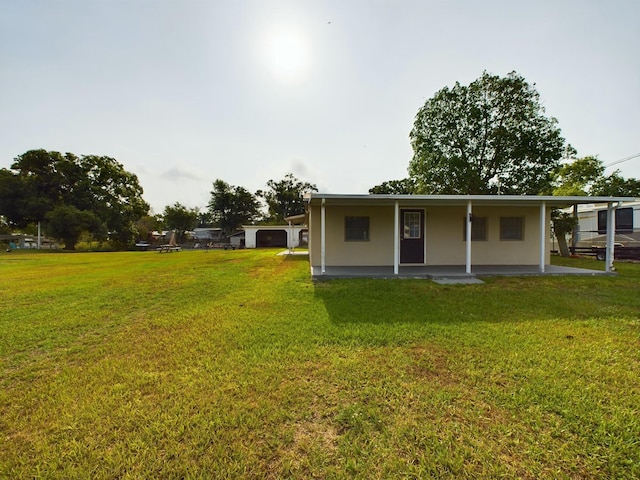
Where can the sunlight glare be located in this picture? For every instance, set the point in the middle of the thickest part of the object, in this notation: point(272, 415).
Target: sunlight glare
point(286, 55)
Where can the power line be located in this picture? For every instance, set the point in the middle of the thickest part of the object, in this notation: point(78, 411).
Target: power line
point(622, 160)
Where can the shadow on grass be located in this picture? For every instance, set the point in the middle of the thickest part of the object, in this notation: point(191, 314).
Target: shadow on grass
point(296, 258)
point(512, 299)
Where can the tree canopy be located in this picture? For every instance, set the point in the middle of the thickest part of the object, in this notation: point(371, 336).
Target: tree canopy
point(585, 176)
point(101, 195)
point(577, 177)
point(406, 186)
point(285, 197)
point(488, 137)
point(180, 218)
point(231, 206)
point(616, 185)
point(67, 223)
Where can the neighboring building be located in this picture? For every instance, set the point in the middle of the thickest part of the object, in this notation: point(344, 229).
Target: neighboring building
point(284, 236)
point(24, 241)
point(208, 234)
point(293, 235)
point(434, 230)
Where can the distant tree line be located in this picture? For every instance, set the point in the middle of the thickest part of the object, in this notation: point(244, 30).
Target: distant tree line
point(72, 195)
point(94, 198)
point(232, 206)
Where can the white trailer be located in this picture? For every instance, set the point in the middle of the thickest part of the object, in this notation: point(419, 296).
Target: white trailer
point(592, 225)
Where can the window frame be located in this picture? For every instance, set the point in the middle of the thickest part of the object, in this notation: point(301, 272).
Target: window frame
point(414, 231)
point(621, 227)
point(359, 230)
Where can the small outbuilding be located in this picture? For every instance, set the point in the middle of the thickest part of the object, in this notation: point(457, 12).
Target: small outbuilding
point(282, 236)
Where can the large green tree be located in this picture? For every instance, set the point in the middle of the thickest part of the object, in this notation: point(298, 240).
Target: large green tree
point(12, 198)
point(40, 182)
point(231, 206)
point(488, 137)
point(147, 224)
point(115, 196)
point(285, 197)
point(180, 218)
point(68, 223)
point(35, 185)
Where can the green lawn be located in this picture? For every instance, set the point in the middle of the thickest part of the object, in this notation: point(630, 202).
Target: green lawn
point(233, 364)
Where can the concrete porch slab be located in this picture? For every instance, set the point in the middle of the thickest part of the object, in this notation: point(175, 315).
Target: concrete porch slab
point(449, 272)
point(303, 253)
point(470, 280)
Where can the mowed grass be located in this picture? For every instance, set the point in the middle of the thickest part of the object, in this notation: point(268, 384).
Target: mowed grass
point(233, 364)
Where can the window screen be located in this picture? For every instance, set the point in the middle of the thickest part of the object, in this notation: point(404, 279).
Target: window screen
point(511, 228)
point(478, 229)
point(356, 229)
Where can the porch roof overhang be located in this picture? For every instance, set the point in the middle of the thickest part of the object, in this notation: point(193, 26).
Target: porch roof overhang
point(296, 219)
point(459, 200)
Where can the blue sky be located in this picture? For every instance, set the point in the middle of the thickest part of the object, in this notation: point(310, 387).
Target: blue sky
point(184, 92)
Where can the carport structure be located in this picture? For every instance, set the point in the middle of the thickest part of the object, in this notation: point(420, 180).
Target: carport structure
point(282, 236)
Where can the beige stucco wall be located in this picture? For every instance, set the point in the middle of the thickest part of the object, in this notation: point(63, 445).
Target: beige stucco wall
point(445, 243)
point(377, 251)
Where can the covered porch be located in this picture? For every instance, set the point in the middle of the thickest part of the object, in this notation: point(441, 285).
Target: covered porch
point(379, 252)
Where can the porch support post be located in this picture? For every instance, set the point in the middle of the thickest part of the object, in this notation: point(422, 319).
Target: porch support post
point(543, 234)
point(396, 238)
point(611, 234)
point(468, 253)
point(323, 237)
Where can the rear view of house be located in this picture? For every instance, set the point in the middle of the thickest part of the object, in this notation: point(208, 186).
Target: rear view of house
point(396, 231)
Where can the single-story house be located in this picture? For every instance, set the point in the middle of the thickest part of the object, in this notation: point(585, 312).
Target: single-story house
point(467, 233)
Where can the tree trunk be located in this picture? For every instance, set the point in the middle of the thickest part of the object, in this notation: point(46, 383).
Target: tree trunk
point(562, 245)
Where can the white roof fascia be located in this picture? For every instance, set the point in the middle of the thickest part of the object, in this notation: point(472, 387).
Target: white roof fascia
point(450, 200)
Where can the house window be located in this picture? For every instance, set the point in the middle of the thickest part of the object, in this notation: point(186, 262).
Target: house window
point(624, 221)
point(511, 228)
point(478, 229)
point(356, 229)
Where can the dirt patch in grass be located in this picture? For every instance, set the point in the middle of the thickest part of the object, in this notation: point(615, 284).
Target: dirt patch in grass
point(431, 362)
point(313, 435)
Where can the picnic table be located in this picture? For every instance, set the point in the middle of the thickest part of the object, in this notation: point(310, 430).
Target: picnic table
point(168, 248)
point(224, 245)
